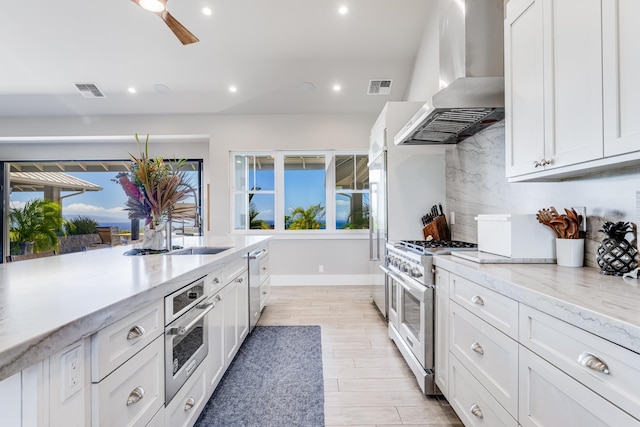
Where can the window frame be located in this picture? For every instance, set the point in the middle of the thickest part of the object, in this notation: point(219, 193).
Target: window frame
point(278, 192)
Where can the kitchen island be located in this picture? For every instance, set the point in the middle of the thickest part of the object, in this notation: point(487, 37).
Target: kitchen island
point(537, 344)
point(49, 303)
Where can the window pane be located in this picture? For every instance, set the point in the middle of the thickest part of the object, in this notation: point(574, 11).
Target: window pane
point(261, 175)
point(352, 211)
point(253, 173)
point(352, 172)
point(304, 192)
point(254, 211)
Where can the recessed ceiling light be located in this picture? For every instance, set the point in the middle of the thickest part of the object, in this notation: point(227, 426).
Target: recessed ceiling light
point(132, 90)
point(343, 10)
point(233, 89)
point(337, 88)
point(207, 11)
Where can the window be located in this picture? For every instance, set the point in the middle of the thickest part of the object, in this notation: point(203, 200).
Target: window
point(300, 191)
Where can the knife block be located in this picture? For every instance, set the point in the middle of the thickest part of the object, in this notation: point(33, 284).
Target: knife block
point(437, 228)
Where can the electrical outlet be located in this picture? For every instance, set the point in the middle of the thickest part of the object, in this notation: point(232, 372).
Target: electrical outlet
point(72, 376)
point(321, 269)
point(452, 218)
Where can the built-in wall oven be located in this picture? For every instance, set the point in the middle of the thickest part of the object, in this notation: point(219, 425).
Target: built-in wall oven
point(186, 334)
point(411, 287)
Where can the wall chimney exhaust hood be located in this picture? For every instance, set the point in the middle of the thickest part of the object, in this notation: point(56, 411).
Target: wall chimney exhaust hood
point(471, 75)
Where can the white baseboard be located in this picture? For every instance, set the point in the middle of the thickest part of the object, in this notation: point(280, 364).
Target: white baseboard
point(322, 279)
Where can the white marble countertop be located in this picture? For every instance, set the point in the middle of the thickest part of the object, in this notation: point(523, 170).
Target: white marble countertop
point(607, 306)
point(49, 303)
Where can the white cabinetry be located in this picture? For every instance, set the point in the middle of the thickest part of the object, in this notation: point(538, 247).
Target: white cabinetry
point(621, 68)
point(570, 87)
point(442, 330)
point(510, 364)
point(10, 401)
point(236, 313)
point(553, 83)
point(184, 408)
point(216, 361)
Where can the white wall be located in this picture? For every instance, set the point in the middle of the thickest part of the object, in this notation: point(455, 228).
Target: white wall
point(211, 138)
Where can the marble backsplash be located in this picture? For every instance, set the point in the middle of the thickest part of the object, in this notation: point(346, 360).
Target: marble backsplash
point(476, 184)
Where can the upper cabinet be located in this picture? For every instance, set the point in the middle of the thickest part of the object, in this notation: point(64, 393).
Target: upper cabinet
point(621, 68)
point(569, 99)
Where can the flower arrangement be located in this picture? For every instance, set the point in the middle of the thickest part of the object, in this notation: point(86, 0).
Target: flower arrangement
point(154, 186)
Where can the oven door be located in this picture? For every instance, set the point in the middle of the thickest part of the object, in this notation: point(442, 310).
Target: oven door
point(415, 320)
point(186, 346)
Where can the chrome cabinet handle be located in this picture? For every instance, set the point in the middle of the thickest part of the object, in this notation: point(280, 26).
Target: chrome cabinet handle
point(218, 298)
point(545, 162)
point(183, 330)
point(216, 280)
point(477, 348)
point(477, 300)
point(135, 332)
point(536, 164)
point(135, 396)
point(189, 403)
point(592, 361)
point(475, 410)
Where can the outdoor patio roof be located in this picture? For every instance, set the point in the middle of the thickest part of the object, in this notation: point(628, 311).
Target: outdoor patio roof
point(37, 181)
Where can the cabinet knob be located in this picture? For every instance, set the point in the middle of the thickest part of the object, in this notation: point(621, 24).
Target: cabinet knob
point(477, 300)
point(536, 164)
point(475, 410)
point(135, 332)
point(218, 298)
point(135, 396)
point(189, 403)
point(592, 361)
point(216, 280)
point(546, 162)
point(477, 348)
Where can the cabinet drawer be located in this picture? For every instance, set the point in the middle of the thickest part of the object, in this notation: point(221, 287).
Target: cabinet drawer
point(157, 420)
point(499, 311)
point(568, 348)
point(115, 344)
point(550, 398)
point(114, 398)
point(488, 353)
point(187, 404)
point(473, 404)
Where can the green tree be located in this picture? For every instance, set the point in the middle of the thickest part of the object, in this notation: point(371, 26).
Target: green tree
point(307, 219)
point(38, 222)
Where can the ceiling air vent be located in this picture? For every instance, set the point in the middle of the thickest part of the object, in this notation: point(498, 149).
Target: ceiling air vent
point(89, 90)
point(379, 87)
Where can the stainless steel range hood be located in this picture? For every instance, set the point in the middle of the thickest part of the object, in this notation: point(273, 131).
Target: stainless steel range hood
point(471, 74)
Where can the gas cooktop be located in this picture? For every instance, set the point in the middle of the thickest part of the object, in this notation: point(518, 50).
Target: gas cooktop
point(427, 247)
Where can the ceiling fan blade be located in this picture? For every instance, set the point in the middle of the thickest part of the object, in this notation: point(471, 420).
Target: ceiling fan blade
point(185, 36)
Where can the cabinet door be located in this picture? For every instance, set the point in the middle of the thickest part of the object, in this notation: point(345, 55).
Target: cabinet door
point(442, 330)
point(216, 360)
point(230, 302)
point(524, 86)
point(242, 308)
point(548, 397)
point(572, 81)
point(621, 68)
point(10, 401)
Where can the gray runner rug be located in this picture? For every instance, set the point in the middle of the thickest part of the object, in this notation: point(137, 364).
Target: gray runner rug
point(275, 381)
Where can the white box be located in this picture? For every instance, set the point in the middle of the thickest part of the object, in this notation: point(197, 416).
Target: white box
point(515, 236)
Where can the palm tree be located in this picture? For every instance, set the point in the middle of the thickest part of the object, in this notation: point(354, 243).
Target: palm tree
point(38, 223)
point(254, 222)
point(306, 219)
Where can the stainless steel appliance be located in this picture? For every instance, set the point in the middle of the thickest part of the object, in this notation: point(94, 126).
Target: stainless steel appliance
point(471, 72)
point(411, 291)
point(186, 334)
point(257, 271)
point(404, 182)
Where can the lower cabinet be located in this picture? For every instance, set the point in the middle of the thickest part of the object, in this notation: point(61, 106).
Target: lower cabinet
point(132, 394)
point(442, 330)
point(472, 402)
point(551, 398)
point(236, 314)
point(216, 360)
point(510, 364)
point(184, 408)
point(10, 401)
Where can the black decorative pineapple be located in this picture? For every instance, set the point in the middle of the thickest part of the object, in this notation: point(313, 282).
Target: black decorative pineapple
point(616, 255)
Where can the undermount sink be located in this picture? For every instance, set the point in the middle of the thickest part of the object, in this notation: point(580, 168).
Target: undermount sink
point(199, 250)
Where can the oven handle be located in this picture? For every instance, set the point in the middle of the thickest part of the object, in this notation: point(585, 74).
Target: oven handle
point(182, 330)
point(415, 290)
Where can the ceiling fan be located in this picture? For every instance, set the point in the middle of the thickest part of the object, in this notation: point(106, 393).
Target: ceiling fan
point(159, 7)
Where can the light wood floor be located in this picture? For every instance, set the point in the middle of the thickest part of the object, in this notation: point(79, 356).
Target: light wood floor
point(366, 381)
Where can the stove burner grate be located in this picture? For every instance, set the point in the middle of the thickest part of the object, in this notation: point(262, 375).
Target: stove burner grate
point(423, 245)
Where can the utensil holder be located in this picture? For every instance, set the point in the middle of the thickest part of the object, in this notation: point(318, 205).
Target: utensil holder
point(570, 252)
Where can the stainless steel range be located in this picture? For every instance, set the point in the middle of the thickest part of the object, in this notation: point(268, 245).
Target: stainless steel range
point(411, 296)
